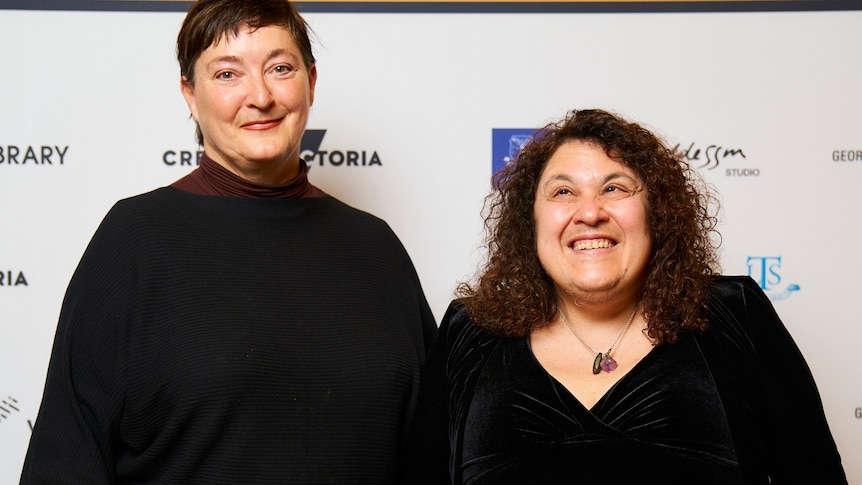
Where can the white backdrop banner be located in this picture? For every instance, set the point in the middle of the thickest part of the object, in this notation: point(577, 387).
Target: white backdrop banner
point(414, 107)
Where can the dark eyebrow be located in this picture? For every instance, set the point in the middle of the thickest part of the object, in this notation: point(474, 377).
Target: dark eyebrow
point(619, 175)
point(561, 176)
point(279, 52)
point(232, 59)
point(223, 59)
point(611, 176)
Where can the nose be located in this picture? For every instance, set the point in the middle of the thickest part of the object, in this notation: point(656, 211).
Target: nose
point(589, 210)
point(259, 94)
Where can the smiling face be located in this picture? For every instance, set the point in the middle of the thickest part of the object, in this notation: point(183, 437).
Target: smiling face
point(251, 95)
point(592, 233)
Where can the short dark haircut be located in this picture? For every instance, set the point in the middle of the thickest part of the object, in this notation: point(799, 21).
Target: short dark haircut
point(208, 21)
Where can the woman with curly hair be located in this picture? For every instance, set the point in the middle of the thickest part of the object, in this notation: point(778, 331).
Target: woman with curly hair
point(599, 343)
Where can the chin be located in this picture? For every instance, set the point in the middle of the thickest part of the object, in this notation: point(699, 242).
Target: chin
point(263, 156)
point(593, 292)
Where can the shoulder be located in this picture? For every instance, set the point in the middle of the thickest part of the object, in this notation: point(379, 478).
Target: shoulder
point(124, 220)
point(161, 200)
point(364, 228)
point(156, 197)
point(456, 321)
point(740, 314)
point(460, 335)
point(348, 212)
point(729, 288)
point(738, 299)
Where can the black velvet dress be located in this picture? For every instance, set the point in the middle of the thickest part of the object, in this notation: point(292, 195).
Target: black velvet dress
point(734, 405)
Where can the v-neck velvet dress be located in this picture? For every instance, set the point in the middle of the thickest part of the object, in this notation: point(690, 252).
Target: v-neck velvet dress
point(734, 405)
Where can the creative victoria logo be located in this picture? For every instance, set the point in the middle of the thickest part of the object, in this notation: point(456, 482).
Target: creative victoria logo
point(45, 155)
point(505, 145)
point(182, 158)
point(766, 271)
point(309, 151)
point(13, 278)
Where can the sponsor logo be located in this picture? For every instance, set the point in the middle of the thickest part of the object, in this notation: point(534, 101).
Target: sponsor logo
point(13, 278)
point(506, 142)
point(182, 158)
point(33, 155)
point(310, 151)
point(712, 156)
point(8, 406)
point(847, 155)
point(766, 271)
point(505, 145)
point(9, 409)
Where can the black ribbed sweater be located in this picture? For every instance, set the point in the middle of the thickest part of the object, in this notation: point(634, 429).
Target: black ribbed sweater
point(209, 339)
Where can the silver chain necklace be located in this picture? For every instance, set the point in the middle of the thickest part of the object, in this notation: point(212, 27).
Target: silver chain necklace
point(602, 362)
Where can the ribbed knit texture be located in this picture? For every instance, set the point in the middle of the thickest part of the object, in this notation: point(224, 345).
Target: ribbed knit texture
point(233, 340)
point(210, 178)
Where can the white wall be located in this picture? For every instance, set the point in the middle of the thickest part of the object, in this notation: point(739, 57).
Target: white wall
point(779, 92)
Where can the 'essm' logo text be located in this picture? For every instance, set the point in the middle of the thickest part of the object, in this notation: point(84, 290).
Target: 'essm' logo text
point(11, 278)
point(709, 157)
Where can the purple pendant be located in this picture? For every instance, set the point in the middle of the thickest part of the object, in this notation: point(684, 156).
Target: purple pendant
point(608, 364)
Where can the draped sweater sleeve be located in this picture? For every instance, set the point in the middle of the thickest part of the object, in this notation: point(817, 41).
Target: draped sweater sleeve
point(85, 386)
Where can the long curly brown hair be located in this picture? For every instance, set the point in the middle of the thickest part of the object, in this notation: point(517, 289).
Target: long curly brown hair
point(513, 293)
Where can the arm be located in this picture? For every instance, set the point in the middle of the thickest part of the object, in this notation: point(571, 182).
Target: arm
point(73, 437)
point(428, 447)
point(799, 444)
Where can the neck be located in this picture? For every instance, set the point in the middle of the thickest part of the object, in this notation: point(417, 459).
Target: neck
point(274, 173)
point(598, 314)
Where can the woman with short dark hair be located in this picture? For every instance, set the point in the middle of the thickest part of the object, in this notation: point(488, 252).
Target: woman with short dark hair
point(239, 326)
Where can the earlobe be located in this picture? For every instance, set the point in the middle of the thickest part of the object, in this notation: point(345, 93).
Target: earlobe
point(188, 91)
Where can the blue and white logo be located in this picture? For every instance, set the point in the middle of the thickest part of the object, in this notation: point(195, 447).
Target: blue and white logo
point(766, 271)
point(505, 145)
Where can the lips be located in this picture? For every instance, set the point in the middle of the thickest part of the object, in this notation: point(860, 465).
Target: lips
point(585, 244)
point(262, 124)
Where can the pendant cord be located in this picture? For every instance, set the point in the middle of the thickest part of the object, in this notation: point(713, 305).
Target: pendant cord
point(623, 331)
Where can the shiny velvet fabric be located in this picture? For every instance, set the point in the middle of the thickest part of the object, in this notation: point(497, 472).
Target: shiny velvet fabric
point(734, 405)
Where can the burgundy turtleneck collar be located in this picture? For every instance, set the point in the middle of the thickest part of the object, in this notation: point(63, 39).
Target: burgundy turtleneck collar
point(210, 178)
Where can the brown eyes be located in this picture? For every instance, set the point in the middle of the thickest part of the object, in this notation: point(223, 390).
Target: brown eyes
point(608, 193)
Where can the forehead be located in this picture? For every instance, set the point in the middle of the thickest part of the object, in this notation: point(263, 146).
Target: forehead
point(580, 159)
point(247, 41)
